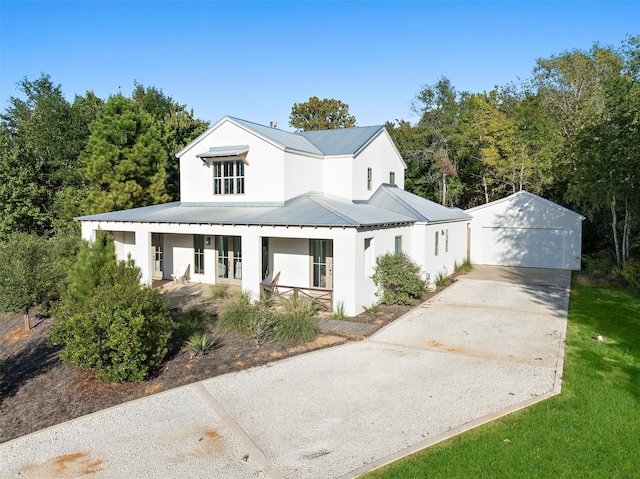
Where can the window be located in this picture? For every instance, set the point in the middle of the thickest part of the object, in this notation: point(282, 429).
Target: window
point(398, 244)
point(446, 241)
point(265, 257)
point(392, 177)
point(437, 237)
point(228, 177)
point(198, 254)
point(369, 178)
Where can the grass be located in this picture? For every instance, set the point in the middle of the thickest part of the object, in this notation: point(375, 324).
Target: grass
point(590, 430)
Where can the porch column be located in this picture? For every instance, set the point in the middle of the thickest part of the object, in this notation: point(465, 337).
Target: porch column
point(142, 256)
point(252, 261)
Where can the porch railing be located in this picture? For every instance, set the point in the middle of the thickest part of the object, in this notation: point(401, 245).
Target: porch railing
point(324, 297)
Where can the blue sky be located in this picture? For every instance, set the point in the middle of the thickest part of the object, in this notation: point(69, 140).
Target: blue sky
point(254, 60)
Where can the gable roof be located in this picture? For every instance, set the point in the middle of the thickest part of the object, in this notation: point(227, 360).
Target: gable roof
point(391, 206)
point(336, 142)
point(525, 194)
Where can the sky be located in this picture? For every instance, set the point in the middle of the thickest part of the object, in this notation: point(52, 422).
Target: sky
point(254, 60)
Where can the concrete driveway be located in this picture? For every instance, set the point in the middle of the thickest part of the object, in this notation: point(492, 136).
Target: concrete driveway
point(490, 344)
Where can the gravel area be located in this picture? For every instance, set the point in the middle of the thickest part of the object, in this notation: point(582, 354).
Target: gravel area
point(472, 353)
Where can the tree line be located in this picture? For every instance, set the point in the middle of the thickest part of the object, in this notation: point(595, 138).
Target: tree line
point(569, 133)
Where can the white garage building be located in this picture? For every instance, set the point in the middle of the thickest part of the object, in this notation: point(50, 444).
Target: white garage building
point(525, 230)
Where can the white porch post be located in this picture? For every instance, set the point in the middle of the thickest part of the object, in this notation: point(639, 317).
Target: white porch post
point(143, 256)
point(345, 258)
point(252, 261)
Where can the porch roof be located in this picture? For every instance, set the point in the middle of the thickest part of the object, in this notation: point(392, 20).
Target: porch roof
point(388, 206)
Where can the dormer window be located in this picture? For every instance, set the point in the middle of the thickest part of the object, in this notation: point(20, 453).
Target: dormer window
point(228, 168)
point(228, 177)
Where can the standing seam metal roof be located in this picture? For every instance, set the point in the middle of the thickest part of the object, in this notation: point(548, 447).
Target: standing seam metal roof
point(388, 206)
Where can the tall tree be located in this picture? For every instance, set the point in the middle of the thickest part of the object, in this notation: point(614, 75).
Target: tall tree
point(124, 160)
point(176, 125)
point(317, 114)
point(40, 142)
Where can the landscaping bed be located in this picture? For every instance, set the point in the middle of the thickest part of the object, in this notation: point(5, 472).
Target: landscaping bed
point(37, 390)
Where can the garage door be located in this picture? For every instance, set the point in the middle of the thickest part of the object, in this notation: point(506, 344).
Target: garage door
point(528, 247)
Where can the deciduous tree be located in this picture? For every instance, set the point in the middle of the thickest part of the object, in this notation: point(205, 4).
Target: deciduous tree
point(317, 114)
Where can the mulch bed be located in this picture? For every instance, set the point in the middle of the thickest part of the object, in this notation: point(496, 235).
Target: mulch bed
point(37, 390)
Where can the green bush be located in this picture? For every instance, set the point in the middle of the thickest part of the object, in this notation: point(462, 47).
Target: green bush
point(235, 316)
point(629, 274)
point(112, 326)
point(296, 323)
point(398, 279)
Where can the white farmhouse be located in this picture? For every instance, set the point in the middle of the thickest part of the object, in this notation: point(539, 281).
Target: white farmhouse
point(312, 209)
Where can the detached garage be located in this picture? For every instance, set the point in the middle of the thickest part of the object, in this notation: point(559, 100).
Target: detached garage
point(525, 230)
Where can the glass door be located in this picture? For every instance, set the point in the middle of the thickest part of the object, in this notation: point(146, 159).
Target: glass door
point(157, 248)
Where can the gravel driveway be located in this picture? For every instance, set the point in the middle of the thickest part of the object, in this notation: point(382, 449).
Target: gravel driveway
point(482, 348)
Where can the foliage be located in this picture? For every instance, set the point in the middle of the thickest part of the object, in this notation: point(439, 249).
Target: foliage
point(465, 266)
point(398, 279)
point(111, 325)
point(176, 127)
point(317, 114)
point(200, 343)
point(371, 310)
point(296, 323)
point(41, 138)
point(629, 274)
point(262, 321)
point(235, 316)
point(600, 392)
point(219, 292)
point(339, 312)
point(124, 160)
point(443, 280)
point(26, 273)
point(192, 321)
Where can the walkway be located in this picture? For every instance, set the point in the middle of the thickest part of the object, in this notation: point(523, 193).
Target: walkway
point(478, 350)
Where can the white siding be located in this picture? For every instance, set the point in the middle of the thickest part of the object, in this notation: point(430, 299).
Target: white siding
point(526, 230)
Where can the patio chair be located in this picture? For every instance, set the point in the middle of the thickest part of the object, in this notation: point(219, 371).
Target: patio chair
point(185, 278)
point(272, 287)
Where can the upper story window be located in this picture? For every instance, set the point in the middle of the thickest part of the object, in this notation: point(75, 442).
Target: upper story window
point(228, 177)
point(392, 177)
point(369, 178)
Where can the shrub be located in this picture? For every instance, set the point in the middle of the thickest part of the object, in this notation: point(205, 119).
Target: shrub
point(371, 310)
point(296, 323)
point(235, 316)
point(200, 343)
point(465, 267)
point(262, 321)
point(398, 279)
point(192, 321)
point(443, 280)
point(629, 274)
point(219, 292)
point(110, 324)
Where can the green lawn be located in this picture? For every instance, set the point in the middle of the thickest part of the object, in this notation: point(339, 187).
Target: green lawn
point(590, 430)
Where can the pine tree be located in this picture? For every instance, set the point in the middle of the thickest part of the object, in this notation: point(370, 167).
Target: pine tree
point(124, 160)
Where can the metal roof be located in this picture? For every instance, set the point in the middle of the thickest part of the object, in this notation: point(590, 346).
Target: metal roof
point(388, 206)
point(526, 194)
point(341, 141)
point(392, 198)
point(224, 151)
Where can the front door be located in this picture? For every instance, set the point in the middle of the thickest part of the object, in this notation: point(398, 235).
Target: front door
point(321, 264)
point(157, 249)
